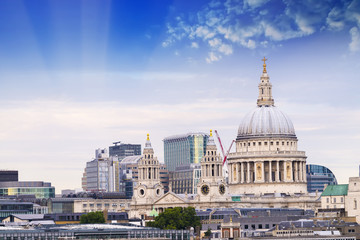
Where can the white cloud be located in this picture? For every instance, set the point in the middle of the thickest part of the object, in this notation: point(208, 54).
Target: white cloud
point(250, 24)
point(354, 45)
point(215, 42)
point(204, 32)
point(194, 45)
point(255, 3)
point(335, 19)
point(225, 49)
point(304, 25)
point(212, 57)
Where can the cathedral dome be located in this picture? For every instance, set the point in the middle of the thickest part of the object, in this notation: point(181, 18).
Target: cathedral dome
point(266, 121)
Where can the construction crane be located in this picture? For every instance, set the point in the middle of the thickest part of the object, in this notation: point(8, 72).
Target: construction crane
point(222, 149)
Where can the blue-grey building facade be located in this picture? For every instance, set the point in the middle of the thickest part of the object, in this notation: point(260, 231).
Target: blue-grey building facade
point(184, 149)
point(318, 176)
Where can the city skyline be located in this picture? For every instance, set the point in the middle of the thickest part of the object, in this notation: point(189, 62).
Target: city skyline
point(76, 76)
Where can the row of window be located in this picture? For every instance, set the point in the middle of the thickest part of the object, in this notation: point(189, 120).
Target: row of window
point(106, 205)
point(266, 143)
point(334, 200)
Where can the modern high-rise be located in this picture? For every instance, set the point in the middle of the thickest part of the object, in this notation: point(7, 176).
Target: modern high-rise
point(184, 149)
point(102, 173)
point(318, 176)
point(185, 178)
point(121, 150)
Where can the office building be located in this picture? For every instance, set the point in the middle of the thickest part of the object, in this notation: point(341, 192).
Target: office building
point(8, 207)
point(184, 149)
point(318, 177)
point(39, 189)
point(185, 178)
point(102, 173)
point(9, 176)
point(122, 150)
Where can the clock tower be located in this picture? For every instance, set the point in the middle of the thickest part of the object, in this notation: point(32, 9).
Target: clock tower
point(212, 186)
point(149, 187)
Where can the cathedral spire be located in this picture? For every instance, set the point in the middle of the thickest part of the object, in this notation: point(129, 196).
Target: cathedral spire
point(265, 89)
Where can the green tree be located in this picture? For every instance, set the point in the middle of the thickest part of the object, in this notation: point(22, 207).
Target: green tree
point(176, 218)
point(92, 217)
point(208, 233)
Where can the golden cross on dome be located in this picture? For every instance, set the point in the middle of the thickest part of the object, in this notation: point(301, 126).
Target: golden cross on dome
point(264, 59)
point(264, 65)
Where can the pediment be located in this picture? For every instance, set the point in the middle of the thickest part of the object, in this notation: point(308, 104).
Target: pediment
point(170, 197)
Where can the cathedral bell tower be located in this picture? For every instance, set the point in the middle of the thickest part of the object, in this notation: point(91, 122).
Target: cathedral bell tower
point(212, 185)
point(148, 187)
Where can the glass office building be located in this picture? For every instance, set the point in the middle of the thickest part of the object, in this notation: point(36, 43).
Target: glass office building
point(121, 150)
point(186, 178)
point(317, 176)
point(184, 149)
point(39, 189)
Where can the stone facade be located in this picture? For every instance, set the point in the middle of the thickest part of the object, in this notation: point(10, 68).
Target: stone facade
point(352, 200)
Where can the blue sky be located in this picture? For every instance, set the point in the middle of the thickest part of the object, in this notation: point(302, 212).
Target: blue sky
point(79, 75)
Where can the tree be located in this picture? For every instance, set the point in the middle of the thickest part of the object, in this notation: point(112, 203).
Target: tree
point(176, 218)
point(208, 233)
point(92, 217)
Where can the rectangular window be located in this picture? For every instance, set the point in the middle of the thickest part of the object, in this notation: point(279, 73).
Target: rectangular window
point(84, 205)
point(254, 143)
point(277, 143)
point(246, 227)
point(334, 200)
point(259, 143)
point(342, 199)
point(265, 143)
point(271, 143)
point(327, 200)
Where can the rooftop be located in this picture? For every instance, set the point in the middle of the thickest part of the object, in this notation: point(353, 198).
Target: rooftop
point(336, 190)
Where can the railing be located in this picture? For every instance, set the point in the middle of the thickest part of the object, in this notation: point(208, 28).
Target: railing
point(265, 153)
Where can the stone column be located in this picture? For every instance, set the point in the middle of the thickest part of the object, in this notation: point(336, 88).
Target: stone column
point(248, 172)
point(284, 171)
point(304, 171)
point(263, 171)
point(270, 171)
point(238, 172)
point(242, 172)
point(277, 171)
point(230, 172)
